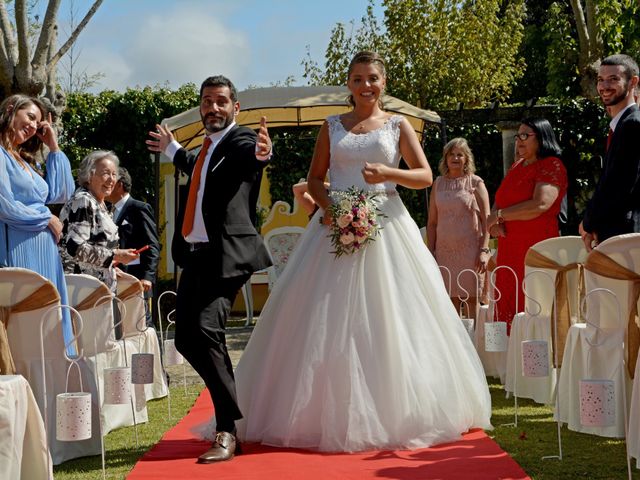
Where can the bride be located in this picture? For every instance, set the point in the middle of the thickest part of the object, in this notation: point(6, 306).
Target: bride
point(362, 351)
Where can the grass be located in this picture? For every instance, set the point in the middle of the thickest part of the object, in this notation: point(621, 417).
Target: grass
point(584, 456)
point(121, 452)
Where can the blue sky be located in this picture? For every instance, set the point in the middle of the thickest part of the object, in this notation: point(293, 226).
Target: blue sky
point(171, 42)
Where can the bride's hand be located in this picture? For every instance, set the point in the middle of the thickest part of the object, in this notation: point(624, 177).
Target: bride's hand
point(326, 218)
point(374, 172)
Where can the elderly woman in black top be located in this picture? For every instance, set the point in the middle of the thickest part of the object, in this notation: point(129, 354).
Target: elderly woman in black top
point(90, 237)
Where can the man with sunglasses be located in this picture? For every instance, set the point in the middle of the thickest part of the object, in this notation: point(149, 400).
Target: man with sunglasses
point(614, 208)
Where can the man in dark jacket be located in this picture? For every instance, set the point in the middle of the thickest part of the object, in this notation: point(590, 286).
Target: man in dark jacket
point(216, 243)
point(616, 199)
point(137, 229)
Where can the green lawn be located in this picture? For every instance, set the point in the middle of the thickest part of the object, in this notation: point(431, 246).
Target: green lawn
point(121, 452)
point(584, 456)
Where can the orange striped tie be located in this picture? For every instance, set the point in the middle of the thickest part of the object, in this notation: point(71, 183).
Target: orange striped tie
point(190, 210)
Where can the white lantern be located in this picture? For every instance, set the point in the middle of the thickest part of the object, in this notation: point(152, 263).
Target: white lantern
point(535, 358)
point(171, 354)
point(73, 416)
point(469, 324)
point(597, 403)
point(495, 337)
point(117, 385)
point(142, 368)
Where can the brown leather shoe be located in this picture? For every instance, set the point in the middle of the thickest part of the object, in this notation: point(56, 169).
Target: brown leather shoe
point(223, 448)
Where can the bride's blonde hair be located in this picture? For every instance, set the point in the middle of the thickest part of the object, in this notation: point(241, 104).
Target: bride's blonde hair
point(367, 58)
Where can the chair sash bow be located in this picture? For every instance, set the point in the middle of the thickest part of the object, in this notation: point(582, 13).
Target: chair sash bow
point(43, 297)
point(99, 296)
point(600, 264)
point(562, 306)
point(133, 290)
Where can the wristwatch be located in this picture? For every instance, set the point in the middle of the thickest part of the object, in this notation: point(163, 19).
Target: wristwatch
point(499, 216)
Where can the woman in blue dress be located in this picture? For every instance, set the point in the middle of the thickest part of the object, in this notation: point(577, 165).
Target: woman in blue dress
point(29, 232)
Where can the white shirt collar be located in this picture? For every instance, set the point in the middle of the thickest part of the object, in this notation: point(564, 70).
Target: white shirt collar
point(217, 136)
point(616, 119)
point(120, 203)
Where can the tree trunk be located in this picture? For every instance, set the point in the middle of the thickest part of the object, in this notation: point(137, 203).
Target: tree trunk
point(21, 72)
point(590, 46)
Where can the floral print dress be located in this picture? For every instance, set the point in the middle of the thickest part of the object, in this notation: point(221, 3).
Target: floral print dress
point(89, 238)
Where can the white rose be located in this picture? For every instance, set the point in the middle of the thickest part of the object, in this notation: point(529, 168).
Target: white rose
point(347, 238)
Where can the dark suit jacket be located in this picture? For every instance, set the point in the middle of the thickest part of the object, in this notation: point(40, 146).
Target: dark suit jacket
point(137, 228)
point(228, 206)
point(611, 209)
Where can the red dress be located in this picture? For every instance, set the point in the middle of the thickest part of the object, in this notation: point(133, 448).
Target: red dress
point(518, 186)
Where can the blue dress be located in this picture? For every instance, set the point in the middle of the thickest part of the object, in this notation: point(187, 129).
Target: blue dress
point(25, 218)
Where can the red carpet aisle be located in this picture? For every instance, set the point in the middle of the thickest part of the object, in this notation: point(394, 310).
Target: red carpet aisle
point(475, 456)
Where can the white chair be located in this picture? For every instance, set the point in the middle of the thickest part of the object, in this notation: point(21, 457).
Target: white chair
point(560, 262)
point(94, 302)
point(613, 265)
point(18, 287)
point(139, 338)
point(281, 243)
point(130, 291)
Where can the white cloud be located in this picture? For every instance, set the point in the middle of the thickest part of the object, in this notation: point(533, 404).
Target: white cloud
point(172, 47)
point(186, 46)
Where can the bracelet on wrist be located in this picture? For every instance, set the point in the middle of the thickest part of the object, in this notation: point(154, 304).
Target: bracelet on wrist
point(485, 250)
point(499, 216)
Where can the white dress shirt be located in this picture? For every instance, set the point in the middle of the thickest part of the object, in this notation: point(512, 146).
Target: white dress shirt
point(199, 232)
point(616, 119)
point(117, 207)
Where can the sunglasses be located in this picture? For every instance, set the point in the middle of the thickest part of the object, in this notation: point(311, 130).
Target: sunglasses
point(523, 136)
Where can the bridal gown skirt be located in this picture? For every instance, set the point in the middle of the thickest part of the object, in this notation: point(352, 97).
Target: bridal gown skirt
point(361, 352)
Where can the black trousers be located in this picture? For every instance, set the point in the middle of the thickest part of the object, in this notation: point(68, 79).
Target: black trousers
point(202, 309)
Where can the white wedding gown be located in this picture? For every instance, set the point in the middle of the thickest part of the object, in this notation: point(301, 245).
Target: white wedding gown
point(364, 351)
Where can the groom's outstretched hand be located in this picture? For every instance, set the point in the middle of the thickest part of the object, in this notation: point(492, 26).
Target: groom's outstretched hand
point(263, 142)
point(160, 139)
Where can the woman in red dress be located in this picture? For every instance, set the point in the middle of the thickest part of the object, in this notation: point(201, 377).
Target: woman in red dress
point(526, 208)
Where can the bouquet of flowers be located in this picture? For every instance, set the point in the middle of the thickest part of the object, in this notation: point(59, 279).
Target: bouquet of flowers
point(354, 220)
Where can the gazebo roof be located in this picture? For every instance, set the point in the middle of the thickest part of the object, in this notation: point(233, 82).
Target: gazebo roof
point(291, 107)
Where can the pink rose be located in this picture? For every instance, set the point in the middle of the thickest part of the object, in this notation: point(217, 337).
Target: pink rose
point(344, 220)
point(357, 223)
point(347, 238)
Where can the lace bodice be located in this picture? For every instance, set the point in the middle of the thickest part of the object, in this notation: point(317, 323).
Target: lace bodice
point(349, 152)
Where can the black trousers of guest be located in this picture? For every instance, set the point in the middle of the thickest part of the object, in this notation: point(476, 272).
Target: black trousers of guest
point(202, 309)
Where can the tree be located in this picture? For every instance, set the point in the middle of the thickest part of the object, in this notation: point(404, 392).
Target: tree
point(440, 52)
point(342, 47)
point(70, 79)
point(22, 71)
point(121, 122)
point(580, 33)
point(533, 49)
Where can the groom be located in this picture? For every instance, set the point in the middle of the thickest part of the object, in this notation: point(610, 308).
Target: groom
point(216, 243)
